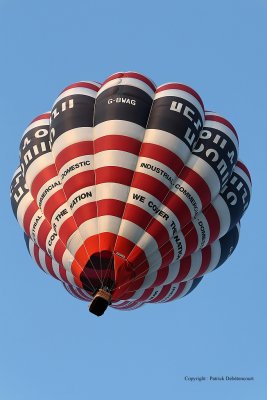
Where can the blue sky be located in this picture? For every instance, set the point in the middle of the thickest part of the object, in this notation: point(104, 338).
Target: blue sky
point(50, 347)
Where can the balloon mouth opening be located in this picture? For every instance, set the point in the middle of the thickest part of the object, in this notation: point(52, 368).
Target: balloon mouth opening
point(98, 273)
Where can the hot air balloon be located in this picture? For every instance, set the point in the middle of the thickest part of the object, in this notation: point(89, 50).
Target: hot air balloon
point(129, 193)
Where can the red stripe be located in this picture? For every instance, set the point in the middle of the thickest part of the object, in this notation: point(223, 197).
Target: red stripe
point(200, 186)
point(167, 254)
point(163, 155)
point(137, 215)
point(179, 208)
point(147, 293)
point(85, 213)
point(74, 292)
point(43, 232)
point(87, 85)
point(114, 174)
point(137, 255)
point(53, 203)
point(41, 116)
point(117, 142)
point(244, 168)
point(158, 231)
point(163, 292)
point(132, 288)
point(126, 305)
point(185, 266)
point(67, 229)
point(75, 150)
point(130, 74)
point(162, 275)
point(59, 251)
point(191, 238)
point(110, 207)
point(180, 290)
point(48, 263)
point(206, 258)
point(180, 86)
point(36, 255)
point(79, 181)
point(213, 221)
point(86, 295)
point(150, 184)
point(28, 216)
point(222, 121)
point(41, 178)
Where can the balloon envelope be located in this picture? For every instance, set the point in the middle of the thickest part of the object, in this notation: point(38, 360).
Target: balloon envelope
point(130, 187)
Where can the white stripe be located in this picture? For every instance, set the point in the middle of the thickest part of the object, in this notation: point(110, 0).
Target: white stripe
point(42, 261)
point(174, 270)
point(215, 256)
point(156, 292)
point(70, 278)
point(244, 176)
point(186, 289)
point(203, 169)
point(173, 290)
point(222, 210)
point(78, 91)
point(223, 128)
point(55, 267)
point(184, 95)
point(196, 260)
point(119, 127)
point(75, 293)
point(137, 294)
point(36, 124)
point(203, 230)
point(31, 250)
point(129, 82)
point(67, 260)
point(74, 242)
point(116, 158)
point(58, 187)
point(77, 167)
point(18, 171)
point(22, 208)
point(72, 136)
point(168, 141)
point(61, 215)
point(157, 175)
point(36, 221)
point(179, 183)
point(110, 190)
point(149, 280)
point(51, 241)
point(89, 228)
point(38, 166)
point(82, 202)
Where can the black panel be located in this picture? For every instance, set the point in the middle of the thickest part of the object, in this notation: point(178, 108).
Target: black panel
point(123, 102)
point(177, 116)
